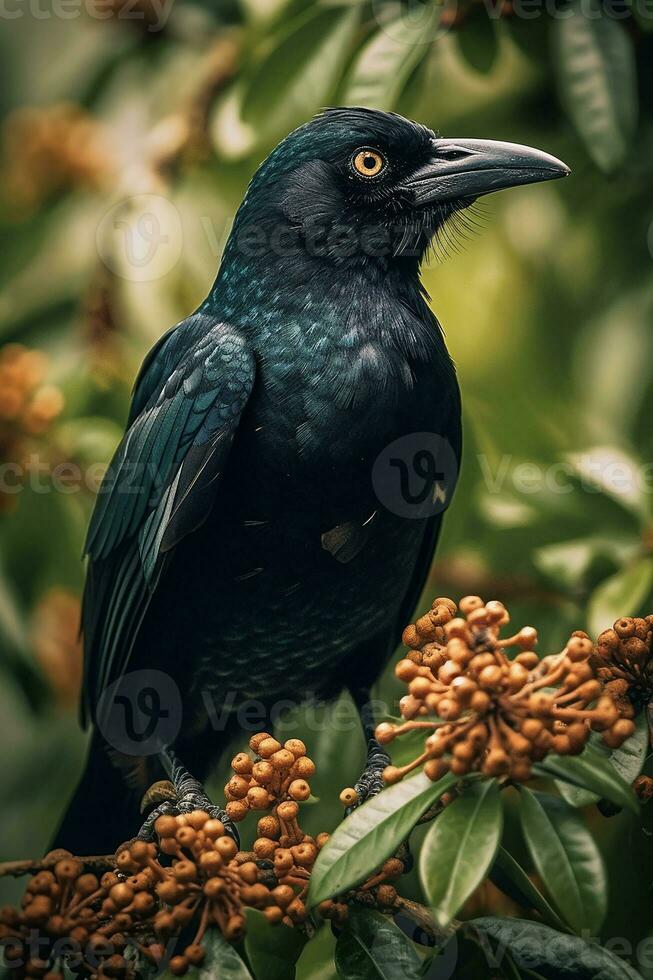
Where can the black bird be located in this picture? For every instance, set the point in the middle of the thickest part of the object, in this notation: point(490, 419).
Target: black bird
point(255, 537)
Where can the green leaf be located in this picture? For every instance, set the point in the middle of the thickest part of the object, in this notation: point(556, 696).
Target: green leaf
point(630, 757)
point(300, 68)
point(316, 961)
point(371, 947)
point(372, 834)
point(575, 796)
point(272, 951)
point(477, 40)
point(623, 594)
point(508, 875)
point(615, 473)
point(386, 62)
point(552, 954)
point(628, 761)
point(596, 74)
point(566, 857)
point(589, 772)
point(460, 847)
point(222, 962)
point(571, 563)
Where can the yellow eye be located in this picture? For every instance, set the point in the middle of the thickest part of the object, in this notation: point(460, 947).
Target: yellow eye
point(368, 163)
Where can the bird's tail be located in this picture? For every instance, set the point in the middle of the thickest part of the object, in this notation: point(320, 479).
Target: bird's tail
point(103, 811)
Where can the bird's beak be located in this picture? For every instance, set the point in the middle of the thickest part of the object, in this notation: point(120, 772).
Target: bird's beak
point(469, 168)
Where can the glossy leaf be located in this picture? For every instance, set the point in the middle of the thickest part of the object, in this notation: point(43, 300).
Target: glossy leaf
point(615, 473)
point(571, 563)
point(478, 43)
point(316, 961)
point(222, 962)
point(272, 951)
point(508, 875)
point(552, 954)
point(459, 848)
point(385, 64)
point(623, 594)
point(597, 80)
point(575, 796)
point(300, 68)
point(372, 834)
point(630, 757)
point(371, 947)
point(627, 761)
point(589, 772)
point(566, 857)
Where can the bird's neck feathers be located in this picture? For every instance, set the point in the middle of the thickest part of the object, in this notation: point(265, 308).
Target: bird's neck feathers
point(303, 293)
point(277, 262)
point(293, 272)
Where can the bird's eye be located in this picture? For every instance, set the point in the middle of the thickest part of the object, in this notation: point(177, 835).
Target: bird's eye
point(368, 163)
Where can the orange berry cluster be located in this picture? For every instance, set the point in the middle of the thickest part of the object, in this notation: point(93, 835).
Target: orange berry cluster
point(49, 150)
point(278, 772)
point(276, 780)
point(63, 904)
point(202, 883)
point(54, 633)
point(191, 879)
point(495, 714)
point(623, 661)
point(26, 404)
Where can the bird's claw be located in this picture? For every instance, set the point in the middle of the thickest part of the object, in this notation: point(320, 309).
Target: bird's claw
point(370, 782)
point(184, 795)
point(187, 804)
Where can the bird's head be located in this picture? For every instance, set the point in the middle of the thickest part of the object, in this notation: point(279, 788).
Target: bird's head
point(360, 182)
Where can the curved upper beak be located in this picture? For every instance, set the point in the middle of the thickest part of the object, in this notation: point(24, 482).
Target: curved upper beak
point(469, 168)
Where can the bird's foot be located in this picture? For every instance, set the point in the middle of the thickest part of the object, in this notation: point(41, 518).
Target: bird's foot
point(370, 782)
point(181, 794)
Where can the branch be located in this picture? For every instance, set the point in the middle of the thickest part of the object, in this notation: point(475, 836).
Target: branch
point(422, 917)
point(16, 869)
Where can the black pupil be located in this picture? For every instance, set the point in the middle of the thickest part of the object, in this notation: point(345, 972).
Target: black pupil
point(369, 162)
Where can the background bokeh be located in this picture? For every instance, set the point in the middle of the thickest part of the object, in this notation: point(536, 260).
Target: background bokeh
point(129, 134)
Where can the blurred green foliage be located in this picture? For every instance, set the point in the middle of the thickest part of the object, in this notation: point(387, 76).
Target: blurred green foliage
point(548, 311)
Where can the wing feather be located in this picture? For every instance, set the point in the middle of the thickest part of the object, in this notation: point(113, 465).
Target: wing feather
point(161, 483)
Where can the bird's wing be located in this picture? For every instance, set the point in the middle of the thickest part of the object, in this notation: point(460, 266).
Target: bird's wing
point(452, 430)
point(161, 483)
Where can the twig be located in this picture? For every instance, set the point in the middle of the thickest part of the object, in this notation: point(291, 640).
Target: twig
point(16, 869)
point(422, 917)
point(445, 800)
